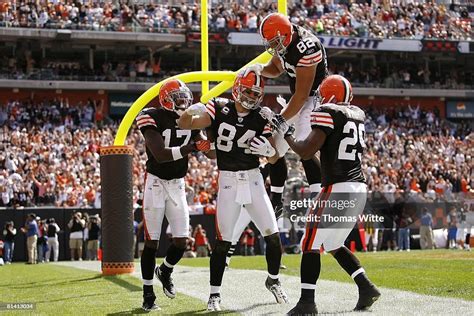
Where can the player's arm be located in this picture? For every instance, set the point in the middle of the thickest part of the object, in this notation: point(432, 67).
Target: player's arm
point(322, 124)
point(211, 137)
point(273, 68)
point(197, 116)
point(308, 147)
point(155, 143)
point(304, 83)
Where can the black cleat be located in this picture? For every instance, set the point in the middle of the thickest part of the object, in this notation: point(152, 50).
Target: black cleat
point(303, 309)
point(149, 302)
point(367, 298)
point(166, 281)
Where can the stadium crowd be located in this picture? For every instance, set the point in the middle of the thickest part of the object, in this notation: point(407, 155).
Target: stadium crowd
point(376, 19)
point(396, 75)
point(50, 155)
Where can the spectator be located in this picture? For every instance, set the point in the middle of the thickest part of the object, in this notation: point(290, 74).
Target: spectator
point(189, 252)
point(94, 235)
point(200, 241)
point(452, 219)
point(76, 226)
point(31, 231)
point(426, 230)
point(53, 241)
point(42, 242)
point(248, 242)
point(9, 234)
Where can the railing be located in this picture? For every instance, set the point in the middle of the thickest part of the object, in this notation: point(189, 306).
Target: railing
point(46, 74)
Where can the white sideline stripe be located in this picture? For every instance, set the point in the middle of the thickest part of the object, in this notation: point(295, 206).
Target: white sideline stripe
point(244, 292)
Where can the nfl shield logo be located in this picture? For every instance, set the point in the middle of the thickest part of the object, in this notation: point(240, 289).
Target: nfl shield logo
point(240, 119)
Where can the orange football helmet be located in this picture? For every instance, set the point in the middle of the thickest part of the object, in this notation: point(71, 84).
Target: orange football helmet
point(335, 89)
point(175, 96)
point(276, 31)
point(248, 89)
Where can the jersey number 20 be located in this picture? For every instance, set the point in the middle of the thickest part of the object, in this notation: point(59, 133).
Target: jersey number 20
point(358, 134)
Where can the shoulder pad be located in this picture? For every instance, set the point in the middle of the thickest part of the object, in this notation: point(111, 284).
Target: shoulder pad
point(349, 111)
point(220, 102)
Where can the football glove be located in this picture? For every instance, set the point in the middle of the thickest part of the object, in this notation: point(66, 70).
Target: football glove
point(257, 68)
point(277, 121)
point(260, 146)
point(290, 131)
point(196, 109)
point(282, 101)
point(203, 145)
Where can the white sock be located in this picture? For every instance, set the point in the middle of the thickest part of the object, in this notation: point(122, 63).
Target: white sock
point(315, 187)
point(215, 289)
point(274, 277)
point(276, 189)
point(147, 282)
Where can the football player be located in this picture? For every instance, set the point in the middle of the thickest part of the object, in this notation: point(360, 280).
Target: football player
point(241, 136)
point(167, 148)
point(338, 133)
point(298, 53)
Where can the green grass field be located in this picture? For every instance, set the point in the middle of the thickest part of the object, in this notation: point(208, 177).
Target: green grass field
point(60, 290)
point(73, 291)
point(438, 272)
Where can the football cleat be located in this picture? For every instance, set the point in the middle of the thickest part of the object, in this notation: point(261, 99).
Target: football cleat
point(278, 210)
point(214, 303)
point(303, 309)
point(166, 281)
point(274, 286)
point(367, 297)
point(149, 302)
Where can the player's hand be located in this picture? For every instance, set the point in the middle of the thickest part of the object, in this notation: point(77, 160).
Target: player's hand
point(290, 131)
point(196, 109)
point(203, 145)
point(282, 101)
point(257, 68)
point(260, 146)
point(277, 121)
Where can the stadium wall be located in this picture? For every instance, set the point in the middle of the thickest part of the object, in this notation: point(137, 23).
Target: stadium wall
point(62, 217)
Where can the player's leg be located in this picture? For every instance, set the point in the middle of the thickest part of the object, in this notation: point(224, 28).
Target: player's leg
point(177, 214)
point(261, 213)
point(153, 214)
point(242, 222)
point(227, 213)
point(278, 176)
point(311, 166)
point(310, 266)
point(334, 243)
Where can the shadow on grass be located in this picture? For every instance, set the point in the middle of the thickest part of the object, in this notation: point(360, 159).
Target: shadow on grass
point(71, 298)
point(122, 283)
point(49, 283)
point(130, 312)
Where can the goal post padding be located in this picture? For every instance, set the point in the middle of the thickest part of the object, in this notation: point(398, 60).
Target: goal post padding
point(116, 165)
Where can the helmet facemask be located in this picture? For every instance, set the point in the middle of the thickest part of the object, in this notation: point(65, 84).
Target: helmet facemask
point(181, 99)
point(275, 46)
point(250, 98)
